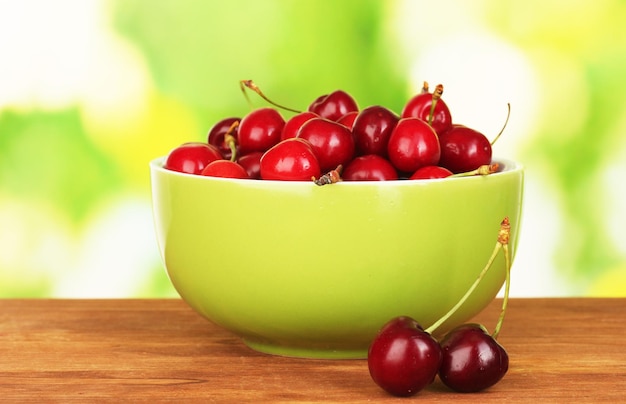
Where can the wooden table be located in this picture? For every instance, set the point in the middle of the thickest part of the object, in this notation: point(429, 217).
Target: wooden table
point(561, 350)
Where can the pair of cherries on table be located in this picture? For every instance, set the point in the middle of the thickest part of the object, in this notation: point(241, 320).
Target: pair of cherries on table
point(334, 136)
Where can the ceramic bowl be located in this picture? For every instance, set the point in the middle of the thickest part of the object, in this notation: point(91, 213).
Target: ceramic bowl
point(302, 270)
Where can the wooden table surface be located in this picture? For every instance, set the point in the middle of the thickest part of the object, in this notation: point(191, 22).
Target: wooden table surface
point(561, 350)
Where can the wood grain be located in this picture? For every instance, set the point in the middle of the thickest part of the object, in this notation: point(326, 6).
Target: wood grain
point(561, 350)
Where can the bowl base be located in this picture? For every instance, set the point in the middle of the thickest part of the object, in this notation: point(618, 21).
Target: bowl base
point(306, 353)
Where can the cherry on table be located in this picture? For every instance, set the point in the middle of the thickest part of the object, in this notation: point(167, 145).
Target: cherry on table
point(403, 358)
point(291, 159)
point(472, 359)
point(192, 157)
point(371, 167)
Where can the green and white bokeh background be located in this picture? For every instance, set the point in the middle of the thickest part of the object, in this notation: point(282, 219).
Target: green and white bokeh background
point(92, 90)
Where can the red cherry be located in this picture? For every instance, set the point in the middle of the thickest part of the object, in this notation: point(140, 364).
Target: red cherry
point(292, 159)
point(293, 124)
point(348, 119)
point(420, 107)
point(332, 142)
point(334, 105)
point(259, 130)
point(413, 144)
point(472, 359)
point(217, 132)
point(464, 149)
point(371, 167)
point(430, 172)
point(225, 169)
point(372, 129)
point(403, 358)
point(252, 164)
point(192, 157)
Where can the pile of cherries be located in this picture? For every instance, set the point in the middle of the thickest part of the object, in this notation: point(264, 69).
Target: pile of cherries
point(404, 358)
point(335, 140)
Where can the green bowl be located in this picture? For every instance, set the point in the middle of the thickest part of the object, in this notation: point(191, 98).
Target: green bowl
point(302, 270)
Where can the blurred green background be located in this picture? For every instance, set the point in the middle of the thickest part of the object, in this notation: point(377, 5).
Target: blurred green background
point(92, 90)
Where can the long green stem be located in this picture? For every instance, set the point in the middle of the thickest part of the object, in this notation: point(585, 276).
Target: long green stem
point(502, 243)
point(505, 298)
point(252, 86)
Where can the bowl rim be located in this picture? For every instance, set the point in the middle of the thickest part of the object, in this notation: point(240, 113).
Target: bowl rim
point(509, 167)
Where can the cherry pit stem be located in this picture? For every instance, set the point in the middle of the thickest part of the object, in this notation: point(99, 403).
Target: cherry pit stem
point(502, 243)
point(482, 170)
point(229, 139)
point(508, 115)
point(436, 96)
point(252, 86)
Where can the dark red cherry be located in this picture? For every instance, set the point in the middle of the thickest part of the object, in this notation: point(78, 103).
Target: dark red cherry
point(420, 107)
point(291, 159)
point(217, 132)
point(192, 157)
point(430, 172)
point(403, 358)
point(224, 169)
point(464, 149)
point(372, 129)
point(334, 105)
point(472, 359)
point(332, 142)
point(293, 124)
point(413, 144)
point(348, 119)
point(371, 167)
point(259, 130)
point(251, 162)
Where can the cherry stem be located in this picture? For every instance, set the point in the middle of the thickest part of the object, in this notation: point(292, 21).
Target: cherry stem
point(229, 139)
point(485, 169)
point(425, 87)
point(508, 114)
point(436, 96)
point(503, 235)
point(331, 177)
point(503, 238)
point(252, 86)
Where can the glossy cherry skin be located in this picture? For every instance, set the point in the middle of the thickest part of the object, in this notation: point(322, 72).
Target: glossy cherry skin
point(430, 172)
point(192, 157)
point(252, 164)
point(472, 359)
point(332, 142)
point(403, 358)
point(464, 149)
point(413, 144)
point(372, 129)
point(348, 119)
point(292, 159)
point(419, 107)
point(334, 105)
point(293, 124)
point(259, 130)
point(371, 167)
point(217, 132)
point(224, 169)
